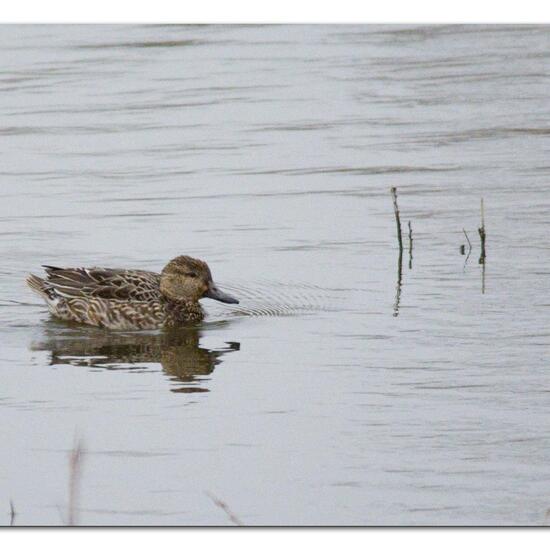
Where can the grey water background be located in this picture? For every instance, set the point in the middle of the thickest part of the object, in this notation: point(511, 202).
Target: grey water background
point(269, 151)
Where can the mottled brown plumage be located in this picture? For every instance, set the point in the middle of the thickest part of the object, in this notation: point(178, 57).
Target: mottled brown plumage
point(125, 299)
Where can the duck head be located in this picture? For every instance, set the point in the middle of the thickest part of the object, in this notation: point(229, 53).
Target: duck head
point(186, 279)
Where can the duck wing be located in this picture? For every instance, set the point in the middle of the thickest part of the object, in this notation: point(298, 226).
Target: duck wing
point(110, 284)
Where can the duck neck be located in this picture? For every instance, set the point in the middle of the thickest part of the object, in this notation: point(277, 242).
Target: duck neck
point(182, 311)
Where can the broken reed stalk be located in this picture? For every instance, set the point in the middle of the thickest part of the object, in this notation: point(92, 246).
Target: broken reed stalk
point(75, 472)
point(399, 283)
point(221, 504)
point(481, 231)
point(393, 191)
point(466, 235)
point(462, 248)
point(13, 513)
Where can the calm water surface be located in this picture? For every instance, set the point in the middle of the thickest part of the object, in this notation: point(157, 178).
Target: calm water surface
point(339, 391)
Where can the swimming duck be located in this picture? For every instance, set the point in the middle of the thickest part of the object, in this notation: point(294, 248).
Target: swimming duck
point(127, 299)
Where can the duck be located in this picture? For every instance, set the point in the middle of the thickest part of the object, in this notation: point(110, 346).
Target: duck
point(129, 299)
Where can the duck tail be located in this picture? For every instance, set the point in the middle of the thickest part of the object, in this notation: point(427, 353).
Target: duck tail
point(40, 287)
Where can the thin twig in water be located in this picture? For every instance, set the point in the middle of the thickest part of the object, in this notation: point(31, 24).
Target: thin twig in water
point(393, 192)
point(13, 513)
point(469, 248)
point(221, 504)
point(399, 283)
point(75, 472)
point(467, 238)
point(481, 231)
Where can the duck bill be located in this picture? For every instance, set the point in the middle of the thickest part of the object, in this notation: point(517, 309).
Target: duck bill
point(216, 294)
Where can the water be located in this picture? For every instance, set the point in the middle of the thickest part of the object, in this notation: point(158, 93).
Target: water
point(333, 394)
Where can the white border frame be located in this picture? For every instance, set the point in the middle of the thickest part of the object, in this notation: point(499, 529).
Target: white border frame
point(281, 11)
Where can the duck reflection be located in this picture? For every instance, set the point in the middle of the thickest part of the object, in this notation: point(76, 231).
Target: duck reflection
point(179, 352)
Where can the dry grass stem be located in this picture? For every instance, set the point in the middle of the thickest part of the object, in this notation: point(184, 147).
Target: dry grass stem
point(221, 504)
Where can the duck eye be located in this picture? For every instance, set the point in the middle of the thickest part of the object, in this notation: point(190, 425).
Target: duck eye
point(192, 275)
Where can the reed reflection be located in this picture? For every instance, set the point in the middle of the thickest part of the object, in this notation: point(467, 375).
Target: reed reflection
point(179, 353)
